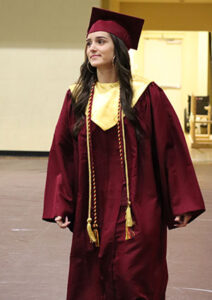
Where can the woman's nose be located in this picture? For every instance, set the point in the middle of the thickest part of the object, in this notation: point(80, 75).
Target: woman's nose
point(93, 47)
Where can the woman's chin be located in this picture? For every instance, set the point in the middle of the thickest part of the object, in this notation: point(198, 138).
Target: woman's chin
point(95, 65)
point(101, 66)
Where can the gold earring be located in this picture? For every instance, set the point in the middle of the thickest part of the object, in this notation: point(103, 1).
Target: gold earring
point(114, 60)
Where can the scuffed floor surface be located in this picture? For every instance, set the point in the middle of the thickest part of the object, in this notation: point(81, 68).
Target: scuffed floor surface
point(34, 255)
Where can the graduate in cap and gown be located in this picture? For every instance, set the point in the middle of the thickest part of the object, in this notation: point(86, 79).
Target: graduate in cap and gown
point(119, 171)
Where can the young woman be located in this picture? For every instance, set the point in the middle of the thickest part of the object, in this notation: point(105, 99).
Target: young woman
point(119, 171)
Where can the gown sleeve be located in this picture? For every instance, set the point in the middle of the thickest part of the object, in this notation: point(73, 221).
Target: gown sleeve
point(180, 192)
point(58, 197)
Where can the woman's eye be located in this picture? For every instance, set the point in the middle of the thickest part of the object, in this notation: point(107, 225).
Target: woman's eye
point(88, 44)
point(101, 41)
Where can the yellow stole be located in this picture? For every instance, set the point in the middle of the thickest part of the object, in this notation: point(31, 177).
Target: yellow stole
point(105, 101)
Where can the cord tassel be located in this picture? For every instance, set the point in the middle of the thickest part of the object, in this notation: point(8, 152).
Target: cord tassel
point(128, 217)
point(96, 234)
point(129, 233)
point(90, 231)
point(129, 224)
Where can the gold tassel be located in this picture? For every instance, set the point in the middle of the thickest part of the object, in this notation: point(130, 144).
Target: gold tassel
point(90, 231)
point(129, 223)
point(127, 236)
point(129, 233)
point(128, 217)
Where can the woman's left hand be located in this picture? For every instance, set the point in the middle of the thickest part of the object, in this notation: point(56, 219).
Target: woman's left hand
point(182, 220)
point(60, 222)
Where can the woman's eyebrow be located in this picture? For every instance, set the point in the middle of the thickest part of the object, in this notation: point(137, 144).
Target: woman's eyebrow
point(97, 37)
point(102, 37)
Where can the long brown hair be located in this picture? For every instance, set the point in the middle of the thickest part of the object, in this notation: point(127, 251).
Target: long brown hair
point(88, 76)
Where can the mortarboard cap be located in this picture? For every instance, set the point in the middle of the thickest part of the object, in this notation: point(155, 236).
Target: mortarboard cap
point(125, 27)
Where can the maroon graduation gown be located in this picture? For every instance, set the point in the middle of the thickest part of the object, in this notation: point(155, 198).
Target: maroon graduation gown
point(162, 185)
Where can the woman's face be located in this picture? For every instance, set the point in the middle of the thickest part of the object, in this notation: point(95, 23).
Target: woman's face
point(100, 49)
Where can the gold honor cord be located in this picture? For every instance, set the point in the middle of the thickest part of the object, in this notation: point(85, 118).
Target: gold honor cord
point(128, 217)
point(92, 232)
point(93, 229)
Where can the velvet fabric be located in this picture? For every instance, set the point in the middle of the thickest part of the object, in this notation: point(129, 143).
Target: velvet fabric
point(162, 185)
point(127, 28)
point(114, 28)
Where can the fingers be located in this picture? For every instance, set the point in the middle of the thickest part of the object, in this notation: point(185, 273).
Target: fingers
point(60, 222)
point(182, 220)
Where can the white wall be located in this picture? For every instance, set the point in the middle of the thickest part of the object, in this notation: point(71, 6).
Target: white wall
point(41, 50)
point(193, 60)
point(203, 64)
point(33, 83)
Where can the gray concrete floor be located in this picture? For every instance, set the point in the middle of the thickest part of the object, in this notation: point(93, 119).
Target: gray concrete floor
point(34, 255)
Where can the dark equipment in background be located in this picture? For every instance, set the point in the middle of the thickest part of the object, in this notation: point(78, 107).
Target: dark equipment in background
point(201, 102)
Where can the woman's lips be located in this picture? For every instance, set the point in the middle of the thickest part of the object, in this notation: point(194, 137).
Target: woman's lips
point(93, 56)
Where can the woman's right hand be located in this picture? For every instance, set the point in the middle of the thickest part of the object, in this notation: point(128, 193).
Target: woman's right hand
point(60, 222)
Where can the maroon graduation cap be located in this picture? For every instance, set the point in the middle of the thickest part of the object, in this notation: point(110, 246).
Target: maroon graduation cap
point(125, 27)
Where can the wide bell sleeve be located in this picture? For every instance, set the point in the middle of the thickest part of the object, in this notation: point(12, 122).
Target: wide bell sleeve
point(58, 197)
point(180, 192)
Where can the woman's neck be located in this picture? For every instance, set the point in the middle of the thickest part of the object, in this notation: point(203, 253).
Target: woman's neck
point(107, 75)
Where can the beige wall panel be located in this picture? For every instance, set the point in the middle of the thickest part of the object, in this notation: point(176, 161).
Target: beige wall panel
point(194, 64)
point(41, 50)
point(203, 64)
point(164, 16)
point(166, 1)
point(44, 23)
point(33, 83)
